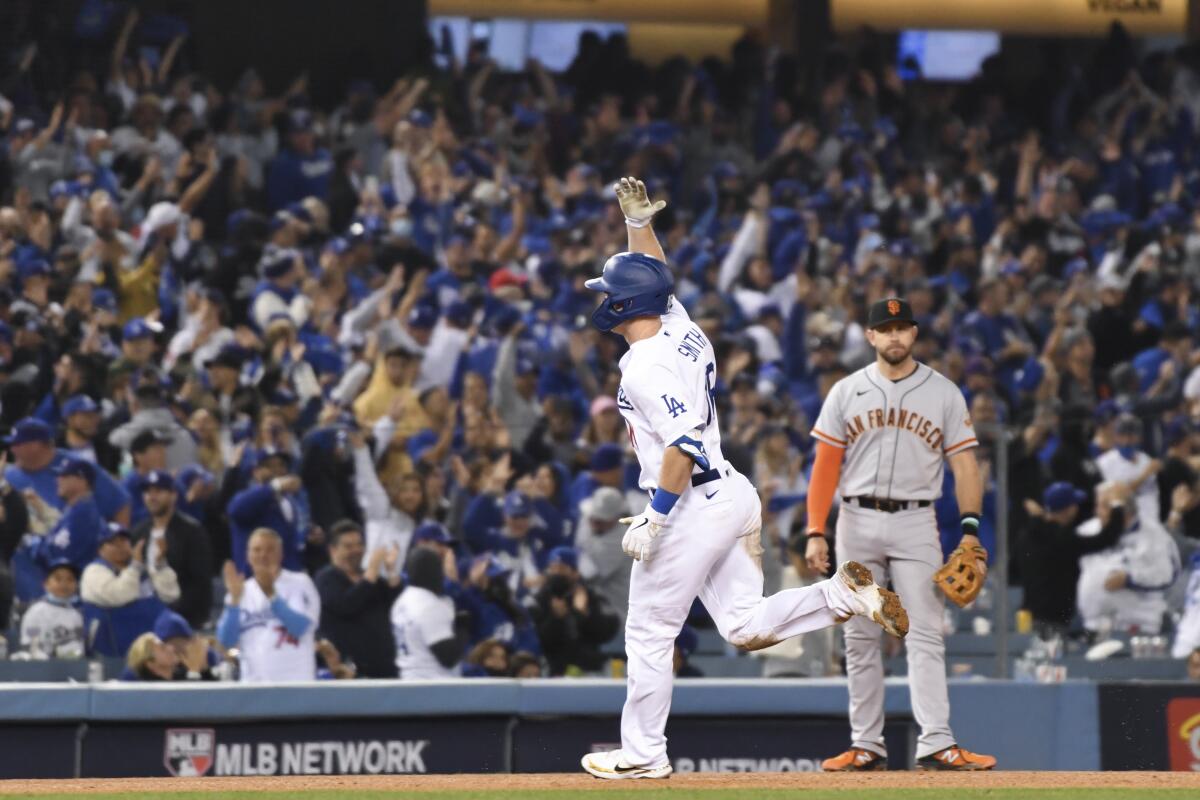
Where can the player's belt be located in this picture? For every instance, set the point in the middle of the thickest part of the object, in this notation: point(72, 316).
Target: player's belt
point(889, 506)
point(708, 476)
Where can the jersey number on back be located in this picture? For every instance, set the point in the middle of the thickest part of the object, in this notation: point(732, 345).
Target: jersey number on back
point(710, 390)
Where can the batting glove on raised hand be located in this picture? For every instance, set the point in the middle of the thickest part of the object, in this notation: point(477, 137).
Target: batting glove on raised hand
point(643, 530)
point(638, 210)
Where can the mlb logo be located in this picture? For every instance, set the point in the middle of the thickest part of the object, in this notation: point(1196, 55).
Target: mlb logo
point(188, 752)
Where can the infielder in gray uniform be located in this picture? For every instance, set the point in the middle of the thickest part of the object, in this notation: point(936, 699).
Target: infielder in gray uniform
point(882, 436)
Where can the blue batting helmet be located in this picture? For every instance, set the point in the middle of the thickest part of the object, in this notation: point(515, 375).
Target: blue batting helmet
point(636, 285)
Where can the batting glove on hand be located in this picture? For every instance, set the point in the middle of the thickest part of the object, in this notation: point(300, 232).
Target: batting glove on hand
point(643, 530)
point(638, 210)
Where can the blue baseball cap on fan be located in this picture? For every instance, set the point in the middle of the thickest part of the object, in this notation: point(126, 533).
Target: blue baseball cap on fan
point(423, 317)
point(79, 404)
point(431, 532)
point(104, 299)
point(1062, 495)
point(517, 504)
point(171, 625)
point(112, 530)
point(30, 429)
point(564, 555)
point(158, 479)
point(139, 328)
point(78, 468)
point(607, 456)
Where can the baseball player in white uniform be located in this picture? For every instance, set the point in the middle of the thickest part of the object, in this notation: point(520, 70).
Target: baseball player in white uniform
point(700, 532)
point(272, 616)
point(887, 429)
point(423, 622)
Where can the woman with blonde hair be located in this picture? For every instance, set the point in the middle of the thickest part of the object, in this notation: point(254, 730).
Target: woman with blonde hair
point(151, 659)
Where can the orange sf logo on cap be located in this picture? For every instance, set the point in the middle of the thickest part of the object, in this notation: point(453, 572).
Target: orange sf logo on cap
point(893, 307)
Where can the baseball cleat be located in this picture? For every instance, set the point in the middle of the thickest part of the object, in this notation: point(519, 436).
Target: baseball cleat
point(855, 760)
point(955, 758)
point(873, 602)
point(611, 766)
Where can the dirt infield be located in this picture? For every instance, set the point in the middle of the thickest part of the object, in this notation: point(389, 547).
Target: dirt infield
point(572, 782)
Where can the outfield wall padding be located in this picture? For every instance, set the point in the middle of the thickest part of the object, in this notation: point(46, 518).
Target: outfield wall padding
point(506, 725)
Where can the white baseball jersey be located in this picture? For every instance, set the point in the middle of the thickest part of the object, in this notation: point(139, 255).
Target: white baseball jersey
point(419, 619)
point(1116, 468)
point(896, 434)
point(666, 391)
point(52, 628)
point(1150, 557)
point(268, 652)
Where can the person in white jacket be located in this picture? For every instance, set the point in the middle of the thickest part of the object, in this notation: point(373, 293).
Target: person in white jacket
point(279, 292)
point(124, 573)
point(390, 521)
point(1125, 587)
point(53, 626)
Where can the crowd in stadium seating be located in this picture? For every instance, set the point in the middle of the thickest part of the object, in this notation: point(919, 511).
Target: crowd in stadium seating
point(364, 328)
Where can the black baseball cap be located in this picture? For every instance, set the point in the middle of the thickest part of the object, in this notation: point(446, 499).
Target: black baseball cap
point(890, 309)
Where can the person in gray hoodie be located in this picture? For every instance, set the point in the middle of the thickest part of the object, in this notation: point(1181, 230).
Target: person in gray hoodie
point(150, 413)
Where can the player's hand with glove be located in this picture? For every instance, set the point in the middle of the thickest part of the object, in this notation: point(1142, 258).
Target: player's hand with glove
point(961, 579)
point(635, 204)
point(643, 530)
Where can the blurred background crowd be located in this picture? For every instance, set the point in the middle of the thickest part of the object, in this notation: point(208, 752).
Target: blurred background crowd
point(227, 307)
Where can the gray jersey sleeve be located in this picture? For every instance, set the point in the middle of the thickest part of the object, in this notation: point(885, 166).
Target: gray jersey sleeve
point(830, 427)
point(958, 435)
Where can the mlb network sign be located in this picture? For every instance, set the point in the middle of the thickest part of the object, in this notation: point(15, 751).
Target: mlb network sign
point(194, 752)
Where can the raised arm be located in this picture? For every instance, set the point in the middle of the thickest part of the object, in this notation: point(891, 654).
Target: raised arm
point(168, 59)
point(639, 212)
point(122, 44)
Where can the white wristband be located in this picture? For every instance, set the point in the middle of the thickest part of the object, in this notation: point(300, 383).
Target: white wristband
point(636, 223)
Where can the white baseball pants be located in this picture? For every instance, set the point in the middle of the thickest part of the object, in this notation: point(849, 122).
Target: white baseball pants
point(711, 549)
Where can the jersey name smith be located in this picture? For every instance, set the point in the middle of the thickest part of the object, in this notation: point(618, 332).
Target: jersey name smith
point(877, 418)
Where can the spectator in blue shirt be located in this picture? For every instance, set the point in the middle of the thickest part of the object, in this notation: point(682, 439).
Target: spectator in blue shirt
point(35, 461)
point(518, 543)
point(76, 535)
point(302, 169)
point(604, 469)
point(272, 502)
point(495, 612)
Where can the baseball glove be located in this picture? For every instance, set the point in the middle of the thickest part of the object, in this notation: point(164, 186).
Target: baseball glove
point(961, 578)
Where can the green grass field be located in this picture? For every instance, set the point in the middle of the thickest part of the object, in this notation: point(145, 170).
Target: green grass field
point(670, 794)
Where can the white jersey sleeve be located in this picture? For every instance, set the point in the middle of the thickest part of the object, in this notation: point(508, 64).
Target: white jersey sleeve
point(665, 403)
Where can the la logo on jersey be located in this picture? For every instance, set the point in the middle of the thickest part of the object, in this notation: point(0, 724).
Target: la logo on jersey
point(674, 407)
point(188, 752)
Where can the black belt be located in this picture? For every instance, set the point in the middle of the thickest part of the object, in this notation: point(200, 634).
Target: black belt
point(708, 476)
point(888, 506)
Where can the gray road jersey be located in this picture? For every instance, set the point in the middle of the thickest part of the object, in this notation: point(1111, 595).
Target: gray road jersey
point(896, 434)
